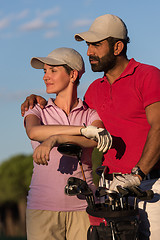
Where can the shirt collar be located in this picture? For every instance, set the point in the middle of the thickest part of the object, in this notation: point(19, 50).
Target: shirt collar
point(129, 70)
point(81, 104)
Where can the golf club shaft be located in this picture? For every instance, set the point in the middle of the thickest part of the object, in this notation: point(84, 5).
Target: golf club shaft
point(80, 163)
point(84, 178)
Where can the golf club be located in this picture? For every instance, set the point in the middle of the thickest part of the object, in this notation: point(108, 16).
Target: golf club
point(72, 150)
point(77, 186)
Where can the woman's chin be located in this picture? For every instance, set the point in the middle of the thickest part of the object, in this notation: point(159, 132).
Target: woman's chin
point(49, 91)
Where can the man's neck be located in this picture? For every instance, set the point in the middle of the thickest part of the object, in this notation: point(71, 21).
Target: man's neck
point(118, 69)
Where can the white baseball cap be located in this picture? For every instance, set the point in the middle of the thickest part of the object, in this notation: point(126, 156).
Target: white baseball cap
point(105, 26)
point(61, 56)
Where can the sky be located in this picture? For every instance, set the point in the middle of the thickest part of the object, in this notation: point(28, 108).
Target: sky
point(31, 28)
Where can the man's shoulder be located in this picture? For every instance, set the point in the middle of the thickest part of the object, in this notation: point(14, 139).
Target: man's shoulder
point(148, 67)
point(143, 72)
point(95, 84)
point(98, 80)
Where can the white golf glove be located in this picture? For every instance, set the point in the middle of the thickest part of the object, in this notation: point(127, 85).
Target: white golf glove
point(126, 180)
point(101, 135)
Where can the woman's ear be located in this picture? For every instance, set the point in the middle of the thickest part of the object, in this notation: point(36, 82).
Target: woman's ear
point(118, 47)
point(73, 75)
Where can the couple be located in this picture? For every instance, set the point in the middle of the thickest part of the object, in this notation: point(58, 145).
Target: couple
point(127, 100)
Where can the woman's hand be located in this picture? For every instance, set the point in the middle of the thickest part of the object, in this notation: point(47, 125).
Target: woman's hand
point(41, 153)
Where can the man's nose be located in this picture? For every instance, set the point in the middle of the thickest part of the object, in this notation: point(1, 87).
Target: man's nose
point(90, 50)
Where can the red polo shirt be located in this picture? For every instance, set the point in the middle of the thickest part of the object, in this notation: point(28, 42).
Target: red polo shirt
point(121, 106)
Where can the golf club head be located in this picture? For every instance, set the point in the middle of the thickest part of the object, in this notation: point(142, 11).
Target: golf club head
point(100, 170)
point(140, 194)
point(123, 191)
point(81, 185)
point(113, 194)
point(102, 191)
point(70, 149)
point(72, 190)
point(76, 181)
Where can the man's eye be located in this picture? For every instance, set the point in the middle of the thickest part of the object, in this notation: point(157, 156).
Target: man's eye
point(93, 44)
point(96, 44)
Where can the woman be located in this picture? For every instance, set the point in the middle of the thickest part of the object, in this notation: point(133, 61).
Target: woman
point(50, 213)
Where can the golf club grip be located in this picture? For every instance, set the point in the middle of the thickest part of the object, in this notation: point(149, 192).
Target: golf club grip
point(146, 195)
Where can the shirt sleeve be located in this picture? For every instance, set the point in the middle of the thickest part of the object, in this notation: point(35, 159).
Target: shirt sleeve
point(93, 116)
point(88, 98)
point(150, 86)
point(34, 111)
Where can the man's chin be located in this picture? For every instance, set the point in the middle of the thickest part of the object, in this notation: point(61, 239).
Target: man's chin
point(95, 68)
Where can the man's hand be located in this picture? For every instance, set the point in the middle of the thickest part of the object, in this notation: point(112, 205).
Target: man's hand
point(126, 180)
point(31, 101)
point(101, 135)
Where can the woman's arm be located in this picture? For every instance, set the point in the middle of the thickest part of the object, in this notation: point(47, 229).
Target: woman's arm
point(53, 135)
point(41, 153)
point(38, 132)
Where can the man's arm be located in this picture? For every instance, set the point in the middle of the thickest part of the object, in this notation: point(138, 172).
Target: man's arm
point(31, 101)
point(151, 151)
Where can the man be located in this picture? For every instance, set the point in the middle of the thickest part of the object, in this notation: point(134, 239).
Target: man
point(127, 100)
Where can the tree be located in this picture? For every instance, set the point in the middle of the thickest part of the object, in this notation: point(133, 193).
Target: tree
point(15, 176)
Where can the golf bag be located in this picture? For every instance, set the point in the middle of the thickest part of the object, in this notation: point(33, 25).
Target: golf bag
point(121, 225)
point(121, 220)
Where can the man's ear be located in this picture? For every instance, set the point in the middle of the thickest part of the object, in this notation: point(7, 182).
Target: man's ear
point(118, 47)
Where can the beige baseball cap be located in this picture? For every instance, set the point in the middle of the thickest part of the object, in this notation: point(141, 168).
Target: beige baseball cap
point(105, 26)
point(61, 56)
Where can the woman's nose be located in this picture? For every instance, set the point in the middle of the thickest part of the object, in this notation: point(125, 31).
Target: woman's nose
point(45, 77)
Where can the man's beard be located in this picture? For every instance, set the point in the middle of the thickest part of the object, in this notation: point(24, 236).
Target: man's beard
point(104, 64)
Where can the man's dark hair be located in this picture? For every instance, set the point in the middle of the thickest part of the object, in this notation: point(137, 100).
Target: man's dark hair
point(112, 41)
point(68, 70)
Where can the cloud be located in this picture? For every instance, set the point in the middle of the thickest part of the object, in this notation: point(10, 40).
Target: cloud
point(32, 25)
point(48, 12)
point(6, 35)
point(22, 14)
point(82, 23)
point(37, 24)
point(6, 21)
point(50, 34)
point(40, 21)
point(88, 2)
point(19, 96)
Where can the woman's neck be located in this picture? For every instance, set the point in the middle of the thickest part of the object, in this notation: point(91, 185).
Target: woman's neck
point(67, 101)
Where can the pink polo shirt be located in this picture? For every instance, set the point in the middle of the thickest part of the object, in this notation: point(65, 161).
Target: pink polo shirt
point(121, 106)
point(48, 182)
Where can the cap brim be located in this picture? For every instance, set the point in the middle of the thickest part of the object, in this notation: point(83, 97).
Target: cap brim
point(89, 36)
point(38, 62)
